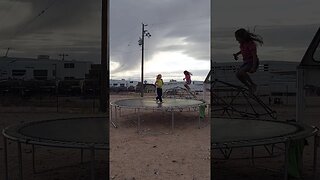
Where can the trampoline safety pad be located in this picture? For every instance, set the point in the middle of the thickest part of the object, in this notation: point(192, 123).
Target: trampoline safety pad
point(151, 103)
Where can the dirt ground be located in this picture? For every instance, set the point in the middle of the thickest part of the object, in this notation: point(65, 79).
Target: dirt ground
point(156, 153)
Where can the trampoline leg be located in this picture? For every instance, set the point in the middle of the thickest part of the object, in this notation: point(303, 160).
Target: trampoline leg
point(315, 155)
point(286, 160)
point(252, 156)
point(172, 121)
point(81, 156)
point(199, 118)
point(5, 151)
point(110, 108)
point(33, 159)
point(92, 164)
point(138, 122)
point(115, 116)
point(20, 160)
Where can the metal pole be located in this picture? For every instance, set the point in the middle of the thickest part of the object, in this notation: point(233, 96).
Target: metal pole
point(286, 159)
point(172, 120)
point(33, 159)
point(252, 155)
point(138, 121)
point(81, 155)
point(5, 152)
point(115, 115)
point(92, 164)
point(56, 87)
point(300, 101)
point(199, 124)
point(142, 59)
point(315, 155)
point(20, 161)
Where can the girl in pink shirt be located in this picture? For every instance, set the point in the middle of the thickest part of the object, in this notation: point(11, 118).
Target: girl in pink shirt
point(248, 50)
point(187, 77)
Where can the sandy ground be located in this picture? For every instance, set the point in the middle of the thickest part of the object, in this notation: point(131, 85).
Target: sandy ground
point(157, 153)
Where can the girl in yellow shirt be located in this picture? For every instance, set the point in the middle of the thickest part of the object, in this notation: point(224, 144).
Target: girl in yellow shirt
point(159, 84)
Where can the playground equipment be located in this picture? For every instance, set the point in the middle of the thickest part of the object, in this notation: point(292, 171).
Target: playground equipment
point(238, 102)
point(179, 92)
point(232, 101)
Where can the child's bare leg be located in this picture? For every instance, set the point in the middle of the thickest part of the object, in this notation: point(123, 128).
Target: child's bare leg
point(253, 85)
point(186, 85)
point(243, 77)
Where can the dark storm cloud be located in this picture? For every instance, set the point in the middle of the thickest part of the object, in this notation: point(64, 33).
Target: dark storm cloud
point(52, 27)
point(57, 14)
point(33, 27)
point(167, 21)
point(286, 26)
point(234, 13)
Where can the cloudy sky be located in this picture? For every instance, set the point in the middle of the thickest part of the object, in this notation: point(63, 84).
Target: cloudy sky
point(180, 32)
point(180, 38)
point(53, 27)
point(287, 27)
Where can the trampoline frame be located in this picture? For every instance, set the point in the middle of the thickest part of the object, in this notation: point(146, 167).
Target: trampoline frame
point(57, 144)
point(227, 147)
point(172, 109)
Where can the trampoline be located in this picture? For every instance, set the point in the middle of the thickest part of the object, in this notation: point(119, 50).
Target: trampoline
point(79, 133)
point(169, 104)
point(234, 133)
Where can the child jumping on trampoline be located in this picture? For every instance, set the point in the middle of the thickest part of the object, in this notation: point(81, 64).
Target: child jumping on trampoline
point(187, 77)
point(159, 83)
point(248, 50)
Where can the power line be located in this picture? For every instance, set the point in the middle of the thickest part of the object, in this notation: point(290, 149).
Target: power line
point(35, 18)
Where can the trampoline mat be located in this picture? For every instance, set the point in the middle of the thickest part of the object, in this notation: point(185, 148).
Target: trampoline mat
point(75, 130)
point(151, 103)
point(228, 131)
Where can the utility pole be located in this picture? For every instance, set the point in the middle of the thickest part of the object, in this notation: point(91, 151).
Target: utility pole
point(141, 43)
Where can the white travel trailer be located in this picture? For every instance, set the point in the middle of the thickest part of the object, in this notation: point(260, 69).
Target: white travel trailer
point(42, 68)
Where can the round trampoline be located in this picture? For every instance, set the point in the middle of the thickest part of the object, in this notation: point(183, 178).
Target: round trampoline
point(79, 133)
point(169, 104)
point(233, 133)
